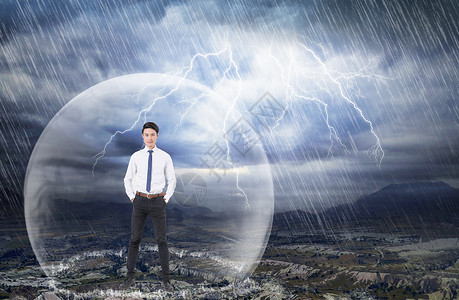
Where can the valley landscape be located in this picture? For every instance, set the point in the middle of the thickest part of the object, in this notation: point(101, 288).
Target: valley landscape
point(401, 242)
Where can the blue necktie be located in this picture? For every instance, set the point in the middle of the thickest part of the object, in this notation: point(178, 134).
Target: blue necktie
point(149, 171)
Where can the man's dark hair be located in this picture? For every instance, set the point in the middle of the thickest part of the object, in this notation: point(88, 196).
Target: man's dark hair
point(150, 125)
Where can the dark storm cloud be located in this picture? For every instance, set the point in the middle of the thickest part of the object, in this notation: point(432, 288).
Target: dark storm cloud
point(123, 145)
point(93, 31)
point(53, 50)
point(26, 16)
point(397, 27)
point(423, 158)
point(42, 74)
point(235, 13)
point(19, 133)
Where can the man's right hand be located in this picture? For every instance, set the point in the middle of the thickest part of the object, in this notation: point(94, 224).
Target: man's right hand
point(132, 200)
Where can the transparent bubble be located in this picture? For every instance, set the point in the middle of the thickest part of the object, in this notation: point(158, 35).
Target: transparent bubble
point(191, 190)
point(78, 215)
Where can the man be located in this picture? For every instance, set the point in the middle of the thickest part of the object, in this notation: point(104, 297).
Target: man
point(145, 180)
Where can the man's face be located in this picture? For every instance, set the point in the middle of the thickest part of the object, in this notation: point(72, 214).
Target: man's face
point(149, 137)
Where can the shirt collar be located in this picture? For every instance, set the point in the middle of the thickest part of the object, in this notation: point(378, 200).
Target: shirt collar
point(146, 149)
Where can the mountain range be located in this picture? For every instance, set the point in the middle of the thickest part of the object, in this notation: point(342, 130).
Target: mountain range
point(411, 202)
point(407, 203)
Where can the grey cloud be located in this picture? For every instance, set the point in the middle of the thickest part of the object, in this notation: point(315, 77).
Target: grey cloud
point(18, 17)
point(63, 47)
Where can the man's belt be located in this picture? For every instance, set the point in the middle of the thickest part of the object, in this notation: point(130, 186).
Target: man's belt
point(150, 196)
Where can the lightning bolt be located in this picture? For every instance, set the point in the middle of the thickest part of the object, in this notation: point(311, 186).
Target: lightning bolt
point(144, 111)
point(233, 64)
point(193, 101)
point(186, 71)
point(376, 150)
point(294, 93)
point(289, 74)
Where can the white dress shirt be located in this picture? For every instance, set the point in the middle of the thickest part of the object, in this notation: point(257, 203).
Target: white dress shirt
point(162, 170)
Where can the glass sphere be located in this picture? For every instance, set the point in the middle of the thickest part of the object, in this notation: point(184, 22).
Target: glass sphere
point(76, 208)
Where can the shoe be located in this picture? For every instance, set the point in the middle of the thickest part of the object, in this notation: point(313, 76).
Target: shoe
point(128, 282)
point(167, 286)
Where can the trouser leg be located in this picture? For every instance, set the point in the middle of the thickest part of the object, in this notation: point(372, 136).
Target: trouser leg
point(138, 218)
point(158, 217)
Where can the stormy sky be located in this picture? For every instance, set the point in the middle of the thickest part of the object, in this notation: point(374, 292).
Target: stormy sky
point(378, 73)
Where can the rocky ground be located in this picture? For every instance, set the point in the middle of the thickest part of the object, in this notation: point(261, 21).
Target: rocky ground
point(345, 253)
point(372, 265)
point(399, 267)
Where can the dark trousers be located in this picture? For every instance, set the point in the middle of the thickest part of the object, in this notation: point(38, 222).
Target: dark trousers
point(156, 208)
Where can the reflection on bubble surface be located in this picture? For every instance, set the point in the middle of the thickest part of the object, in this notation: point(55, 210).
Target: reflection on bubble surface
point(224, 203)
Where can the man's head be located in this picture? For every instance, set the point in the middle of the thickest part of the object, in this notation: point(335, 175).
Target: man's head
point(149, 134)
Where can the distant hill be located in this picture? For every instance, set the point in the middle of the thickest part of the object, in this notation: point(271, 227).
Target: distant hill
point(65, 209)
point(410, 203)
point(295, 220)
point(429, 200)
point(417, 202)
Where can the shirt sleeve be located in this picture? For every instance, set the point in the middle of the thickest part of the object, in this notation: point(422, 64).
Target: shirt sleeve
point(129, 177)
point(170, 177)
